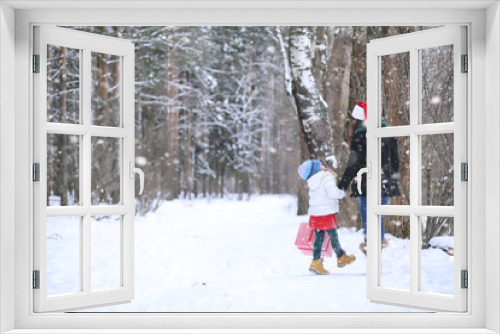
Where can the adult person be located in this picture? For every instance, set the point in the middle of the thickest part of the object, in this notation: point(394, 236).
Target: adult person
point(357, 160)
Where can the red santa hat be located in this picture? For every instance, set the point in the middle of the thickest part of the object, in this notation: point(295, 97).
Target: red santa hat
point(359, 111)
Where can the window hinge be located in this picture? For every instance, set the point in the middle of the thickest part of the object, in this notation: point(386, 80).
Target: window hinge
point(465, 64)
point(36, 172)
point(464, 279)
point(36, 63)
point(36, 279)
point(464, 171)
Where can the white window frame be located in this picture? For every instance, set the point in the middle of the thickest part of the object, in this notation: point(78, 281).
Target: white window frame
point(412, 44)
point(483, 122)
point(86, 43)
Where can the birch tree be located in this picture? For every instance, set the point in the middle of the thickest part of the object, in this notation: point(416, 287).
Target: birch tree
point(311, 108)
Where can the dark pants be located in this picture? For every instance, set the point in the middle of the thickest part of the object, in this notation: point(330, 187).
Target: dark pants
point(362, 210)
point(320, 235)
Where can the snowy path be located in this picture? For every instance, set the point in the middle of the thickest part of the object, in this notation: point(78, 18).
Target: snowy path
point(239, 256)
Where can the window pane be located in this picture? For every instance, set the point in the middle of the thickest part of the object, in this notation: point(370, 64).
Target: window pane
point(395, 89)
point(105, 252)
point(437, 255)
point(105, 89)
point(63, 84)
point(395, 170)
point(396, 257)
point(63, 255)
point(437, 84)
point(63, 170)
point(437, 170)
point(105, 170)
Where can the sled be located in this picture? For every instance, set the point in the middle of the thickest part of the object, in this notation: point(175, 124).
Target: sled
point(305, 241)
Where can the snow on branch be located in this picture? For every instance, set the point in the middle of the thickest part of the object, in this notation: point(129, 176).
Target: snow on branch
point(286, 65)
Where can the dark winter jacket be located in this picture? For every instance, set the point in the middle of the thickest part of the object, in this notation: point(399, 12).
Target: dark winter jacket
point(357, 160)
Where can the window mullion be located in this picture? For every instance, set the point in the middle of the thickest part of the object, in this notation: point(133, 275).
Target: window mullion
point(86, 164)
point(414, 168)
point(109, 210)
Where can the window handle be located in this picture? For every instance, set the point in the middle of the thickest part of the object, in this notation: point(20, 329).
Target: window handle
point(135, 170)
point(366, 170)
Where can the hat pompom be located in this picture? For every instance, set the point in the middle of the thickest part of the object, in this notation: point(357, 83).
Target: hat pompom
point(359, 111)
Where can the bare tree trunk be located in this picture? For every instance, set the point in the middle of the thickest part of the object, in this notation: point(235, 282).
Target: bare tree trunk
point(336, 93)
point(222, 182)
point(331, 92)
point(172, 127)
point(188, 150)
point(319, 56)
point(286, 61)
point(303, 189)
point(100, 180)
point(212, 185)
point(103, 88)
point(290, 88)
point(345, 82)
point(311, 107)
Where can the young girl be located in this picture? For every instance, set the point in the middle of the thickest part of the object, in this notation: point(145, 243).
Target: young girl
point(323, 204)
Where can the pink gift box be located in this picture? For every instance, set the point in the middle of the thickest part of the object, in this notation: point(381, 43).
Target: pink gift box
point(305, 241)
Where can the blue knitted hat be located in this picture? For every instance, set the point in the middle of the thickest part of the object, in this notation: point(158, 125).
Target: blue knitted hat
point(309, 168)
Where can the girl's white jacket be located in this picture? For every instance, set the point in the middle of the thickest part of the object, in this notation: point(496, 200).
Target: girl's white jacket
point(323, 194)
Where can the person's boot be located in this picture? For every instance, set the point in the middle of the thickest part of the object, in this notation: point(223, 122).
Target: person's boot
point(362, 247)
point(345, 260)
point(317, 267)
point(383, 245)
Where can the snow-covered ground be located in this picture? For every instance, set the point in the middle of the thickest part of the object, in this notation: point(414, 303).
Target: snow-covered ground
point(224, 255)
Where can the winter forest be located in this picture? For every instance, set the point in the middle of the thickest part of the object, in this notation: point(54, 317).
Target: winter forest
point(220, 111)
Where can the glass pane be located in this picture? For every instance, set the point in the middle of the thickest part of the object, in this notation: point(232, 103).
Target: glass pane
point(63, 255)
point(437, 170)
point(396, 256)
point(437, 255)
point(105, 248)
point(395, 89)
point(437, 84)
point(105, 170)
point(395, 170)
point(105, 89)
point(63, 170)
point(63, 84)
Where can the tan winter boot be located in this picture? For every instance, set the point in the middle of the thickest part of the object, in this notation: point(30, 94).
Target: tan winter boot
point(317, 267)
point(345, 259)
